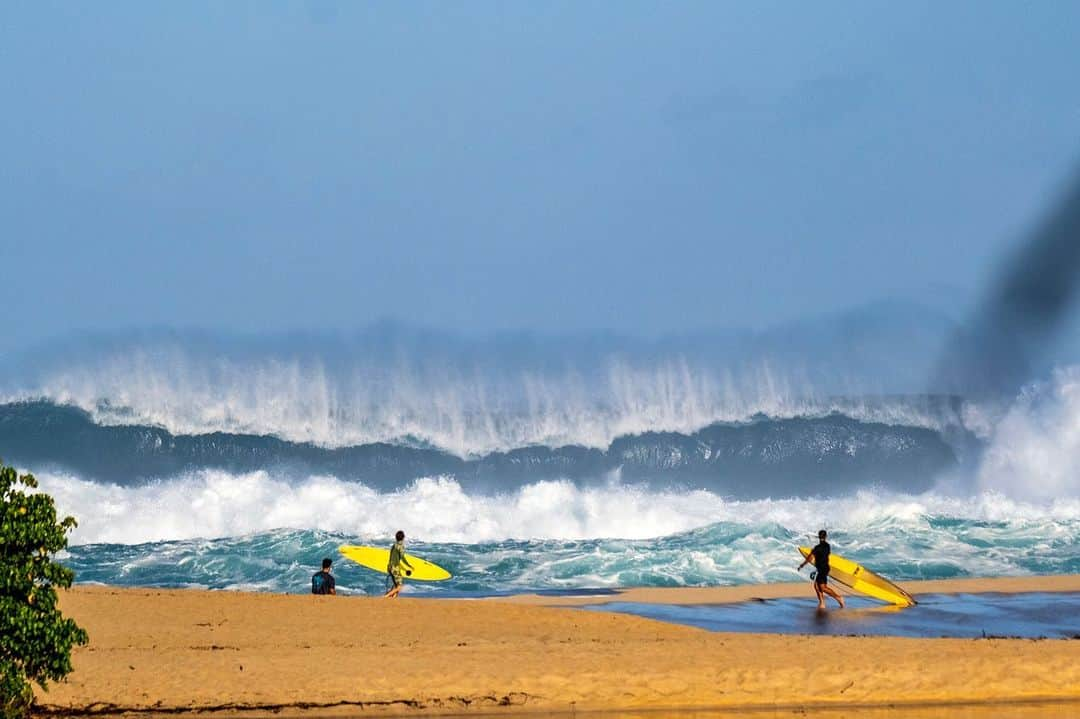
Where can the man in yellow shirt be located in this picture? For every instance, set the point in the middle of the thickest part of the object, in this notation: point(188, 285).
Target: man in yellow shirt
point(393, 567)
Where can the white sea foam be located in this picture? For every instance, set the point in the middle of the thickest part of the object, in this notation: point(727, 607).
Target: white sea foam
point(217, 504)
point(1035, 448)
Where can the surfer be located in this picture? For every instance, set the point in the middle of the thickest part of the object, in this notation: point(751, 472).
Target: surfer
point(393, 567)
point(819, 555)
point(322, 582)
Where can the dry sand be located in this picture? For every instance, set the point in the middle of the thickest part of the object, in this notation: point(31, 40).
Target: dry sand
point(173, 650)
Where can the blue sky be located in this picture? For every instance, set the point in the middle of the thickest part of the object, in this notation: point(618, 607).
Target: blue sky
point(645, 168)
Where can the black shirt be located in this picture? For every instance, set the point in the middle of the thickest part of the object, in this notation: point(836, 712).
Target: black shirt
point(821, 557)
point(322, 583)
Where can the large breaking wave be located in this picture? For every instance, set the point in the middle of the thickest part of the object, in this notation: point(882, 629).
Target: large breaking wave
point(474, 396)
point(723, 411)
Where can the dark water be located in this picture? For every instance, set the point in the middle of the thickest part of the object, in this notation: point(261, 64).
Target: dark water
point(763, 457)
point(1028, 615)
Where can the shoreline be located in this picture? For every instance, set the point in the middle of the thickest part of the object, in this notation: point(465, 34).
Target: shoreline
point(168, 651)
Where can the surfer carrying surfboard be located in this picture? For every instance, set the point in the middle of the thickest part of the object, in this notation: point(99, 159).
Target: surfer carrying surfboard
point(819, 555)
point(393, 567)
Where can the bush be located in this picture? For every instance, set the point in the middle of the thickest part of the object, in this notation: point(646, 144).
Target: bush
point(35, 639)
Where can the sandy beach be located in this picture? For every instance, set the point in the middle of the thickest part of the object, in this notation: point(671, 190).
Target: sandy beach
point(161, 651)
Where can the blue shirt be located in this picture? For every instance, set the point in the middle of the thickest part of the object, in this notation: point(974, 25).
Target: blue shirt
point(322, 583)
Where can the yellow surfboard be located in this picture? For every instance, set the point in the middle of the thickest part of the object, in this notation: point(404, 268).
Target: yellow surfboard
point(377, 559)
point(856, 576)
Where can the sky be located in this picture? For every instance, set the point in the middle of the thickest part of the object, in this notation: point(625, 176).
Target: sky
point(643, 168)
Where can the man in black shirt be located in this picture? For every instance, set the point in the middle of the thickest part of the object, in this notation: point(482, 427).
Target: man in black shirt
point(819, 555)
point(323, 582)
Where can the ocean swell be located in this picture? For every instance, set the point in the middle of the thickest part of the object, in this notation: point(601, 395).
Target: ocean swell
point(763, 457)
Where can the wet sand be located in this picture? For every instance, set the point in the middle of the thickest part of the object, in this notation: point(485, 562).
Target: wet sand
point(1030, 615)
point(167, 651)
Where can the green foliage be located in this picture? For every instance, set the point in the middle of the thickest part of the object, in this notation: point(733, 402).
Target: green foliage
point(35, 639)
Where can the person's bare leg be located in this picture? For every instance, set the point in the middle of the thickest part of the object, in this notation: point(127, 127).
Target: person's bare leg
point(833, 593)
point(820, 596)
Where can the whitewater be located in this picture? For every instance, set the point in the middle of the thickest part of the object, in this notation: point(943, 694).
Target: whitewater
point(195, 466)
point(546, 536)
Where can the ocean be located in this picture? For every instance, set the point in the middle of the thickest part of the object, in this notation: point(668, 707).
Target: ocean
point(241, 470)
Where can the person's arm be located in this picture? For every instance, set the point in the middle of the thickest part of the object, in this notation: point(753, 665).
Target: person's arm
point(809, 558)
point(406, 562)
